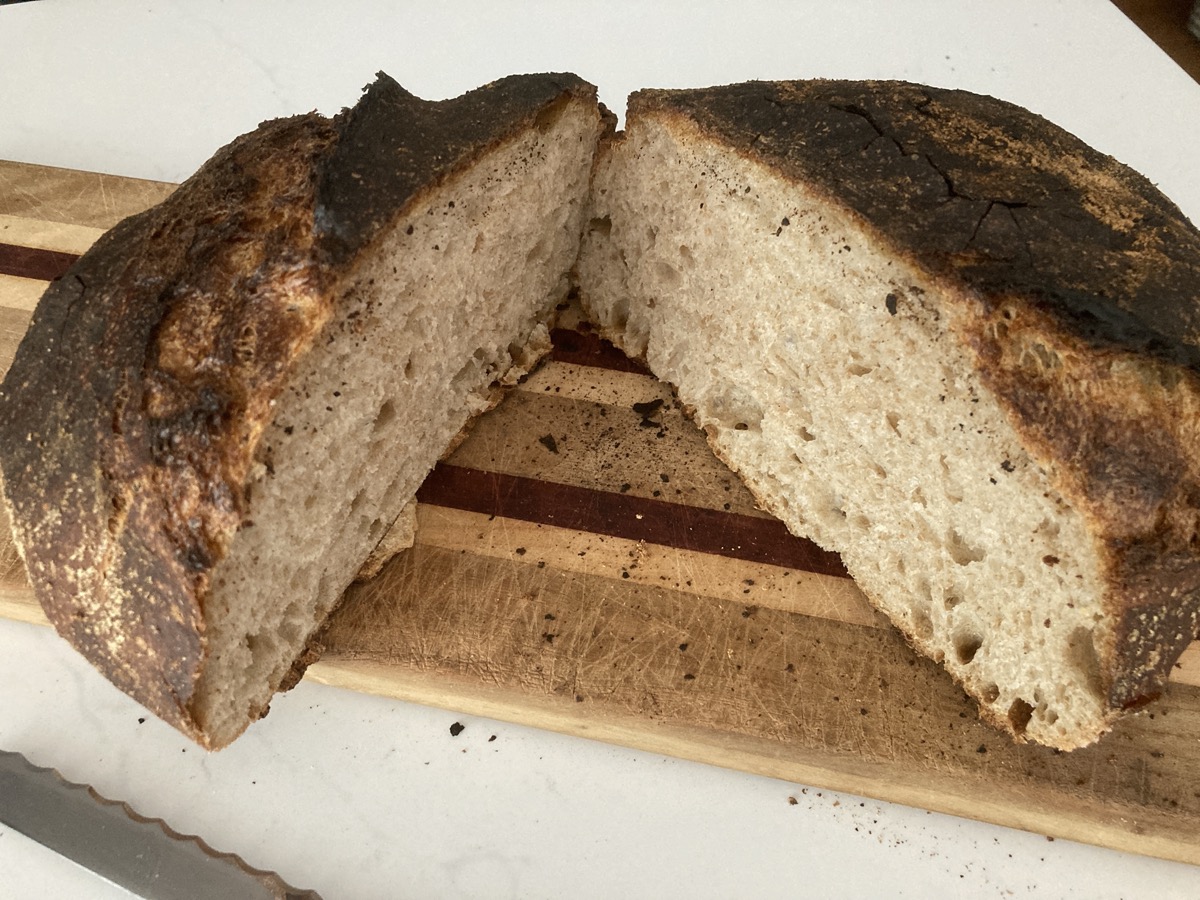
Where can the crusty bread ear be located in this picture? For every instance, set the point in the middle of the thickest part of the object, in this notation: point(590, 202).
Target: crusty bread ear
point(944, 338)
point(220, 409)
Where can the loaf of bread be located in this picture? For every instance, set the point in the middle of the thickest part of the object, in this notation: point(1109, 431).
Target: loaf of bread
point(945, 338)
point(220, 409)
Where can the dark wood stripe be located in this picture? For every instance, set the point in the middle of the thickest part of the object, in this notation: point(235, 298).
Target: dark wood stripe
point(30, 262)
point(673, 525)
point(585, 348)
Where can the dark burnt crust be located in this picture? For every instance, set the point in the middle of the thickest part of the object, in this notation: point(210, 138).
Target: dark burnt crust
point(1078, 287)
point(393, 147)
point(979, 190)
point(133, 410)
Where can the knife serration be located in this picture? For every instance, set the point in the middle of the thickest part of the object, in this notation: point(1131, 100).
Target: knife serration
point(142, 855)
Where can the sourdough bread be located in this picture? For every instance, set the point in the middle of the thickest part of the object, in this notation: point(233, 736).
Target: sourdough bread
point(943, 337)
point(219, 410)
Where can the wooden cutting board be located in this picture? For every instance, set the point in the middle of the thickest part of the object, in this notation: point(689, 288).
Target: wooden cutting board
point(584, 564)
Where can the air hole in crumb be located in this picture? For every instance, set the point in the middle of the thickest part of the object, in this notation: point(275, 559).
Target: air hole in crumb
point(547, 117)
point(667, 274)
point(893, 420)
point(1081, 651)
point(1019, 715)
point(859, 369)
point(601, 226)
point(966, 646)
point(358, 501)
point(685, 253)
point(950, 601)
point(386, 414)
point(962, 552)
point(990, 693)
point(805, 434)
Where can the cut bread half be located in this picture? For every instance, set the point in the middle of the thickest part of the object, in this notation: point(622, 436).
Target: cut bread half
point(941, 336)
point(222, 407)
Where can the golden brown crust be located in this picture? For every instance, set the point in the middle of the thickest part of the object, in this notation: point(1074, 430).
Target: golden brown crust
point(134, 407)
point(1075, 282)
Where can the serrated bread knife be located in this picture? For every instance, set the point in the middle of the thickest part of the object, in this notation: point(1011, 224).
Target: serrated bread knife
point(145, 856)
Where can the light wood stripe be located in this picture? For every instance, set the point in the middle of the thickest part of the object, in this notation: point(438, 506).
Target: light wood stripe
point(640, 562)
point(20, 293)
point(574, 381)
point(62, 237)
point(75, 198)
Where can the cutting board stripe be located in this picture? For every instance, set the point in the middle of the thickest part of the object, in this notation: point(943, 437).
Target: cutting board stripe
point(626, 516)
point(33, 262)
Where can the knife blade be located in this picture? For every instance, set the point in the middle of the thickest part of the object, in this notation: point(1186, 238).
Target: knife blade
point(142, 855)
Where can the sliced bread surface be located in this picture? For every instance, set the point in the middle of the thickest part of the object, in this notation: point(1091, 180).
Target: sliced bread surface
point(945, 338)
point(219, 410)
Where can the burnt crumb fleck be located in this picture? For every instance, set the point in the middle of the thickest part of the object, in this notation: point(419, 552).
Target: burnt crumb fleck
point(792, 801)
point(579, 698)
point(548, 441)
point(683, 646)
point(666, 479)
point(981, 749)
point(890, 302)
point(548, 637)
point(1050, 559)
point(492, 738)
point(520, 551)
point(141, 720)
point(408, 230)
point(749, 611)
point(790, 667)
point(456, 729)
point(785, 223)
point(648, 409)
point(1007, 466)
point(289, 429)
point(862, 711)
point(549, 617)
point(688, 676)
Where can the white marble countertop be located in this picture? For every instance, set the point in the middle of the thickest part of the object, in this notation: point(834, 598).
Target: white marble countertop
point(364, 797)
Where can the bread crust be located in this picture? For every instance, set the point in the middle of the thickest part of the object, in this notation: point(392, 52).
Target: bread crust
point(1073, 280)
point(134, 408)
